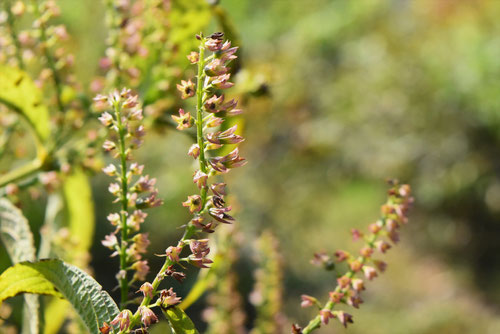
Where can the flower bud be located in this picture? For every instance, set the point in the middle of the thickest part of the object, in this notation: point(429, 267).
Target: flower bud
point(308, 301)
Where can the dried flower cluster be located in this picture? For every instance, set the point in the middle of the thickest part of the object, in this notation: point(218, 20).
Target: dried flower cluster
point(208, 206)
point(133, 190)
point(351, 284)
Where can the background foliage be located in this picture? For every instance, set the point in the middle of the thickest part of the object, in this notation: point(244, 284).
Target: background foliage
point(348, 93)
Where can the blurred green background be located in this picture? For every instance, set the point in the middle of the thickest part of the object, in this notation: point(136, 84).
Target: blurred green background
point(356, 92)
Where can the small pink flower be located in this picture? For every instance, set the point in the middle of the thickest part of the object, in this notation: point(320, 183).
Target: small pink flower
point(106, 119)
point(148, 317)
point(308, 301)
point(147, 290)
point(169, 298)
point(110, 241)
point(336, 297)
point(382, 246)
point(186, 88)
point(110, 170)
point(343, 281)
point(194, 151)
point(357, 284)
point(341, 255)
point(370, 272)
point(184, 120)
point(123, 318)
point(193, 203)
point(344, 318)
point(326, 315)
point(141, 270)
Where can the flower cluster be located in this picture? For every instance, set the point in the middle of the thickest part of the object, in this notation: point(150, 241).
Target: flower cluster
point(267, 296)
point(224, 313)
point(133, 190)
point(363, 266)
point(208, 206)
point(213, 76)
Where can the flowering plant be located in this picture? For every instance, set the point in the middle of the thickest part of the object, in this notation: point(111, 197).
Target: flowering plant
point(55, 106)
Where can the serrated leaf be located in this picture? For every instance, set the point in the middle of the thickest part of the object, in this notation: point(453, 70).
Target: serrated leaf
point(15, 233)
point(20, 93)
point(54, 277)
point(179, 321)
point(17, 238)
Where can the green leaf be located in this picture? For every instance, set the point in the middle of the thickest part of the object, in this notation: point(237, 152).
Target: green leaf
point(55, 313)
point(188, 18)
point(17, 238)
point(179, 321)
point(56, 278)
point(20, 93)
point(80, 214)
point(15, 233)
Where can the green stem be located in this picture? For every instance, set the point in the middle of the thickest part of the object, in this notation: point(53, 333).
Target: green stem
point(13, 33)
point(190, 229)
point(315, 323)
point(188, 233)
point(124, 202)
point(21, 172)
point(199, 119)
point(113, 22)
point(50, 58)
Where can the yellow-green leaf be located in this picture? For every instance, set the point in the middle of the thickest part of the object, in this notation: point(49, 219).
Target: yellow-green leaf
point(56, 278)
point(80, 214)
point(179, 321)
point(188, 18)
point(23, 278)
point(20, 93)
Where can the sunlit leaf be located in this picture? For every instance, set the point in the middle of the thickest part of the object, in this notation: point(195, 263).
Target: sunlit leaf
point(54, 277)
point(179, 321)
point(80, 214)
point(55, 313)
point(20, 93)
point(80, 217)
point(187, 19)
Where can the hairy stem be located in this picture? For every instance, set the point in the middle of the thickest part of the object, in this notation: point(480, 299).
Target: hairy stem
point(124, 203)
point(199, 119)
